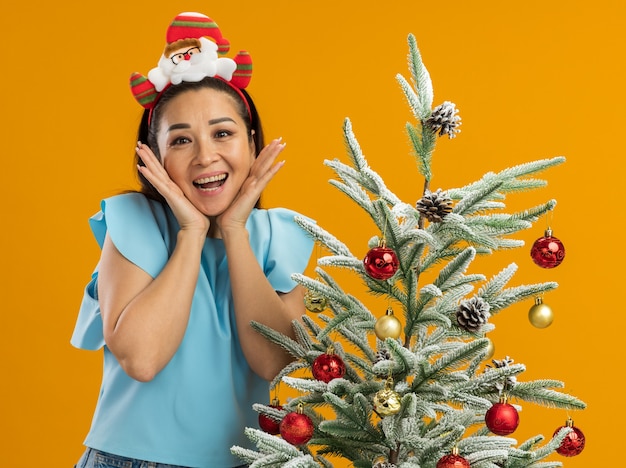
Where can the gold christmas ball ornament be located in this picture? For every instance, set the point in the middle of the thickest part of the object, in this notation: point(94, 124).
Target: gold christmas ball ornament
point(491, 349)
point(387, 401)
point(540, 314)
point(388, 326)
point(315, 302)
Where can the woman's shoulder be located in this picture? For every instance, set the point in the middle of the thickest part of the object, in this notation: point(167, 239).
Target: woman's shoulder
point(274, 216)
point(278, 226)
point(131, 203)
point(140, 228)
point(125, 211)
point(281, 244)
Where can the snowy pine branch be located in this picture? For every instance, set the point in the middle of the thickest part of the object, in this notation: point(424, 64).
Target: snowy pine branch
point(421, 78)
point(538, 392)
point(323, 236)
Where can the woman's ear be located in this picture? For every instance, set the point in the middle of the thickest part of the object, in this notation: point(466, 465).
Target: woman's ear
point(252, 143)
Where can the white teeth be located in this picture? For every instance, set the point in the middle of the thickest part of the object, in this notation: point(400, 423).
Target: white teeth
point(207, 180)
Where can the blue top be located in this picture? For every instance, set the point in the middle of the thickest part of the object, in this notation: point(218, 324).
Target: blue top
point(195, 409)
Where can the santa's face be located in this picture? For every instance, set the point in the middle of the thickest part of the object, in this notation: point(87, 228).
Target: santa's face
point(190, 62)
point(183, 60)
point(184, 54)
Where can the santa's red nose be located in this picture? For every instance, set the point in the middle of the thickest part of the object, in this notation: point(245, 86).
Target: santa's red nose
point(187, 56)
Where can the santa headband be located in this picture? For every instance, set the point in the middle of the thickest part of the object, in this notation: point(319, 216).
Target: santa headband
point(194, 42)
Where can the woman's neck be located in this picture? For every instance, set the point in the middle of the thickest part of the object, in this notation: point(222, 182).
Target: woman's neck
point(214, 230)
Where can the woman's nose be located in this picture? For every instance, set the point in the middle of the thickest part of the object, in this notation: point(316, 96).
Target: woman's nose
point(206, 153)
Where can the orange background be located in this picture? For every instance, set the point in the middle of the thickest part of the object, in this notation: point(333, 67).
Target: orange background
point(532, 79)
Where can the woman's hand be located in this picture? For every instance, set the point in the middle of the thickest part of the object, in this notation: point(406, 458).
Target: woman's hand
point(261, 172)
point(188, 216)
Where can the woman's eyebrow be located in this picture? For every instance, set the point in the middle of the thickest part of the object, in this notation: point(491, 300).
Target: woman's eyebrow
point(219, 120)
point(177, 126)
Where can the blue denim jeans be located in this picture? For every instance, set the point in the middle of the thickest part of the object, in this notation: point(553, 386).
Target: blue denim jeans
point(96, 459)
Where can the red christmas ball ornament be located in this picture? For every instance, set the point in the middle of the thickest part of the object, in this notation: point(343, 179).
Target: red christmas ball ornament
point(574, 442)
point(381, 262)
point(268, 424)
point(296, 427)
point(453, 460)
point(548, 251)
point(502, 418)
point(328, 366)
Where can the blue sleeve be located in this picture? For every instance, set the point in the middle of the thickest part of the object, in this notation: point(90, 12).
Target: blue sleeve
point(88, 329)
point(138, 229)
point(284, 246)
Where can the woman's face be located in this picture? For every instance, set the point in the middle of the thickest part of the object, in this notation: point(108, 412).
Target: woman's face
point(205, 148)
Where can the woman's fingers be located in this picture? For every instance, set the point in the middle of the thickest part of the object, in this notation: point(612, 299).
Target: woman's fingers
point(188, 216)
point(152, 169)
point(268, 155)
point(265, 167)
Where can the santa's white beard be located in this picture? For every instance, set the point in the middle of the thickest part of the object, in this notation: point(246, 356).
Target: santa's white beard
point(193, 69)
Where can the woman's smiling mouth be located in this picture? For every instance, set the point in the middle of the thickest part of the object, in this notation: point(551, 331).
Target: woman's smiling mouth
point(210, 183)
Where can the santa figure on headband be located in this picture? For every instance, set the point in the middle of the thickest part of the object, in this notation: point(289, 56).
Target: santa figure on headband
point(189, 55)
point(194, 42)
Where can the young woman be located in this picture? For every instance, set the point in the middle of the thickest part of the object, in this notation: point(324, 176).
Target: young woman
point(186, 265)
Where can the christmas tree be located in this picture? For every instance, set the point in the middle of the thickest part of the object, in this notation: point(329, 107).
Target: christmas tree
point(414, 387)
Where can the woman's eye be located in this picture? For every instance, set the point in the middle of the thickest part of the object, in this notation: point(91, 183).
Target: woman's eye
point(180, 141)
point(222, 134)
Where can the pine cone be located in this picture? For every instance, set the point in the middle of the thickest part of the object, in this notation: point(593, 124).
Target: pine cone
point(498, 363)
point(511, 380)
point(472, 314)
point(444, 120)
point(382, 355)
point(434, 206)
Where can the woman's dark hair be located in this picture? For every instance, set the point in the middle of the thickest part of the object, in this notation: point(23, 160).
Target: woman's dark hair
point(148, 128)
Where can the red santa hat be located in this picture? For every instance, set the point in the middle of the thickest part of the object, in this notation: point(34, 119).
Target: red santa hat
point(192, 25)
